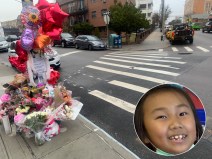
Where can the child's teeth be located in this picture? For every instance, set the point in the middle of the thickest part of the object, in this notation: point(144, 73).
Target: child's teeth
point(176, 137)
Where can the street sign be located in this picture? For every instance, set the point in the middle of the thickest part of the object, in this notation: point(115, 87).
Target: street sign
point(106, 19)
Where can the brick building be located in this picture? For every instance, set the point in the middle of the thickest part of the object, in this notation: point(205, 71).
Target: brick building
point(197, 10)
point(88, 11)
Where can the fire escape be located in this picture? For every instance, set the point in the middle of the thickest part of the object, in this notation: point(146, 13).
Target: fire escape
point(77, 11)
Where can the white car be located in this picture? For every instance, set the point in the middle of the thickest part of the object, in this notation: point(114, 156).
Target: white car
point(53, 56)
point(3, 44)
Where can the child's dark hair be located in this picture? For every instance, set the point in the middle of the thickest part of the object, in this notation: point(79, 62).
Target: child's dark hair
point(139, 114)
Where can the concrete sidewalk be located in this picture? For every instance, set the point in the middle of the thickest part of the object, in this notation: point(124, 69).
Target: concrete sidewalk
point(82, 140)
point(152, 42)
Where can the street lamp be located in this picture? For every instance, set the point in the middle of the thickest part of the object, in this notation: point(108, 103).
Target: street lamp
point(107, 21)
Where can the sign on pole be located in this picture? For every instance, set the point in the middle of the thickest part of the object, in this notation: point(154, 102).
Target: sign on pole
point(106, 19)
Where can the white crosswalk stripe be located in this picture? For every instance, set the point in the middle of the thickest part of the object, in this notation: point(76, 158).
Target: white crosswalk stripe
point(152, 79)
point(160, 50)
point(188, 49)
point(156, 57)
point(203, 49)
point(69, 53)
point(129, 86)
point(146, 59)
point(113, 100)
point(139, 68)
point(139, 53)
point(141, 63)
point(175, 49)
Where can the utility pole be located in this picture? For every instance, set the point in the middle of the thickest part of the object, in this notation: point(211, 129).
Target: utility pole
point(163, 18)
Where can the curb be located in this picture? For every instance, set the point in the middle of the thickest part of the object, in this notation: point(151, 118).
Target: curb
point(110, 141)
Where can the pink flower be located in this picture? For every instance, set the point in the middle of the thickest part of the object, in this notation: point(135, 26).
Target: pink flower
point(5, 97)
point(39, 100)
point(19, 118)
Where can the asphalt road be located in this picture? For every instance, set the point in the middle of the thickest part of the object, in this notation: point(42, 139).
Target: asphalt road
point(100, 79)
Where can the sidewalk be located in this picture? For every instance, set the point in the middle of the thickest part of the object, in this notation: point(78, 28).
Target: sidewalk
point(82, 140)
point(152, 42)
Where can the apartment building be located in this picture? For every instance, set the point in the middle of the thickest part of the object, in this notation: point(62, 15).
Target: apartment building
point(88, 11)
point(197, 10)
point(146, 7)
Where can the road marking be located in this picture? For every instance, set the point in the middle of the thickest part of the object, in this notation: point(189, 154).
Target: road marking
point(160, 50)
point(152, 79)
point(146, 59)
point(129, 86)
point(188, 49)
point(69, 53)
point(113, 100)
point(156, 57)
point(174, 49)
point(203, 49)
point(139, 53)
point(141, 63)
point(139, 68)
point(210, 46)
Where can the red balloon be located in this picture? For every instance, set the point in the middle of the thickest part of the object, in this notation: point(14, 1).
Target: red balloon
point(58, 15)
point(42, 4)
point(19, 49)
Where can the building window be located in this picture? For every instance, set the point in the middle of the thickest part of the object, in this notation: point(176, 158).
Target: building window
point(149, 14)
point(93, 1)
point(103, 11)
point(72, 7)
point(94, 14)
point(149, 5)
point(142, 6)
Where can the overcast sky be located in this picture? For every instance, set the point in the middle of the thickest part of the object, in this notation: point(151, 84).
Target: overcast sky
point(177, 7)
point(10, 9)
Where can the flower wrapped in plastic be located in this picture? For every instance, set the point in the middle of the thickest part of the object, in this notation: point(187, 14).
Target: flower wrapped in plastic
point(36, 122)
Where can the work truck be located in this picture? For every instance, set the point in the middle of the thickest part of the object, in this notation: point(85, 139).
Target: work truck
point(181, 32)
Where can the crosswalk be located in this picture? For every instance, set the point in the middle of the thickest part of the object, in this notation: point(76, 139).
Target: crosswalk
point(188, 49)
point(128, 70)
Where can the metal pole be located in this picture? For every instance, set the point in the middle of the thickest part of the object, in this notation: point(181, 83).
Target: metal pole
point(163, 17)
point(107, 31)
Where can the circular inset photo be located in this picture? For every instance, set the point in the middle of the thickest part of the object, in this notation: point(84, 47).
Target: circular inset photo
point(169, 119)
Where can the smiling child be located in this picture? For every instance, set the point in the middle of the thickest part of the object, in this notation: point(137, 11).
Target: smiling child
point(166, 121)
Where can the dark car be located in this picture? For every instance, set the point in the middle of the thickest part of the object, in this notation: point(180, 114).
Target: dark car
point(207, 27)
point(11, 38)
point(89, 42)
point(66, 40)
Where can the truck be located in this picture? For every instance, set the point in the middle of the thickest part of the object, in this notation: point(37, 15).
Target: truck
point(181, 32)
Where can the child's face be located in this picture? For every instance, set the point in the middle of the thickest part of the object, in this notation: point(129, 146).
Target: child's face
point(169, 122)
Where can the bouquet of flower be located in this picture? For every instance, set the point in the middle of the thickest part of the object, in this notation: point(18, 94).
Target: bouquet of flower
point(36, 123)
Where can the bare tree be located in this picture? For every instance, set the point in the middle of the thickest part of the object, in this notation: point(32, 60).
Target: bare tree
point(167, 12)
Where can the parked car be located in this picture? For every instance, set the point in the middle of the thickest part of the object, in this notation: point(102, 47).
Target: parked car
point(54, 58)
point(11, 38)
point(89, 42)
point(3, 44)
point(207, 27)
point(196, 26)
point(66, 39)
